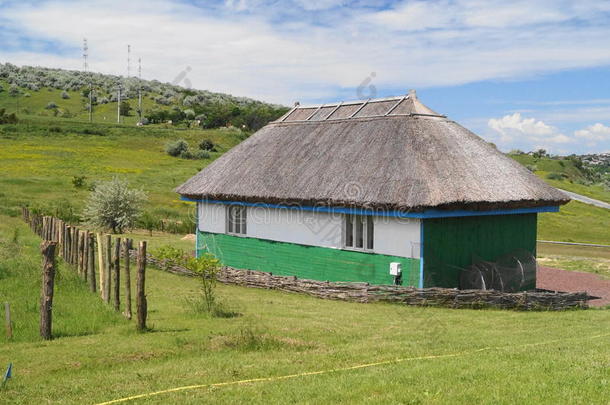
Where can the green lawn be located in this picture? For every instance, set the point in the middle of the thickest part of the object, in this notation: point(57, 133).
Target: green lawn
point(485, 356)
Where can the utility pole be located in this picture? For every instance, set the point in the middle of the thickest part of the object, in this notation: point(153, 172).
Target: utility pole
point(118, 104)
point(139, 90)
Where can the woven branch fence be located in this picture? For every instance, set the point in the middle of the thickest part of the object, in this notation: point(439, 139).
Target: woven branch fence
point(364, 292)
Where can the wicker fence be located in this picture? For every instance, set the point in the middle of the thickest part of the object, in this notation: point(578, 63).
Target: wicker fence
point(364, 292)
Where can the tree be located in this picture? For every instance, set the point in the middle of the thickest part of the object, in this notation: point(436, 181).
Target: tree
point(13, 90)
point(125, 108)
point(113, 205)
point(540, 153)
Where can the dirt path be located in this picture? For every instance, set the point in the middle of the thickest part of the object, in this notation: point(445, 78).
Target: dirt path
point(549, 278)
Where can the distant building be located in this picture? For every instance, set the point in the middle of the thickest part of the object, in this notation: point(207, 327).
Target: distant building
point(351, 191)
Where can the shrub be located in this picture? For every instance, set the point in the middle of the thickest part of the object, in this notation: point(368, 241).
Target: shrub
point(208, 145)
point(13, 90)
point(200, 154)
point(113, 205)
point(176, 148)
point(531, 168)
point(555, 176)
point(7, 118)
point(79, 181)
point(207, 267)
point(27, 95)
point(51, 105)
point(65, 95)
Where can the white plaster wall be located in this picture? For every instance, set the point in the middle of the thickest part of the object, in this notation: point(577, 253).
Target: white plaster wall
point(397, 236)
point(392, 236)
point(211, 217)
point(295, 226)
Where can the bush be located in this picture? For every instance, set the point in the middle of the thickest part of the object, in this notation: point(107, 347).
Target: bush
point(177, 148)
point(51, 105)
point(65, 95)
point(531, 168)
point(200, 154)
point(555, 176)
point(79, 181)
point(7, 118)
point(207, 267)
point(13, 90)
point(208, 145)
point(113, 205)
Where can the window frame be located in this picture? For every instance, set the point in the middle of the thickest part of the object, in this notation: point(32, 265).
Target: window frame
point(351, 232)
point(236, 219)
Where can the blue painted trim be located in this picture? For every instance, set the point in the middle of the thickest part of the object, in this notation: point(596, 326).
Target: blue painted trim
point(421, 254)
point(432, 213)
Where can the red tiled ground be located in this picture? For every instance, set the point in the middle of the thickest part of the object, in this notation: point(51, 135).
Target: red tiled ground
point(549, 278)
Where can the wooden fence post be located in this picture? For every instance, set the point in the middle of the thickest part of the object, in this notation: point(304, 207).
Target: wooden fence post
point(126, 248)
point(91, 262)
point(48, 279)
point(85, 264)
point(8, 322)
point(108, 269)
point(81, 254)
point(74, 246)
point(116, 272)
point(140, 287)
point(101, 265)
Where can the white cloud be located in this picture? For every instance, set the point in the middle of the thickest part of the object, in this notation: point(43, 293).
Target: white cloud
point(281, 52)
point(594, 134)
point(513, 130)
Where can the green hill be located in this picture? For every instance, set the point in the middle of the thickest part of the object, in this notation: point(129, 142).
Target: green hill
point(57, 93)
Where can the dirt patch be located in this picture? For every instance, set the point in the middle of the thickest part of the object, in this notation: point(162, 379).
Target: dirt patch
point(549, 278)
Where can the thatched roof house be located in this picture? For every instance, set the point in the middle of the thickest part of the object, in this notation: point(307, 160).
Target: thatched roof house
point(358, 168)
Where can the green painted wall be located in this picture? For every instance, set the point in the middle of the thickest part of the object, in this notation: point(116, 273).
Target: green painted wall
point(309, 262)
point(451, 243)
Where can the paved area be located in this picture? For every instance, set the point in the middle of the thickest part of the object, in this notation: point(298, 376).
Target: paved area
point(587, 200)
point(549, 278)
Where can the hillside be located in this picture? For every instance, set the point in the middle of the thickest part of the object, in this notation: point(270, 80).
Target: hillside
point(570, 173)
point(57, 93)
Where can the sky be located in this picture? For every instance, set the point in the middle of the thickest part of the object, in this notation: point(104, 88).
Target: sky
point(522, 74)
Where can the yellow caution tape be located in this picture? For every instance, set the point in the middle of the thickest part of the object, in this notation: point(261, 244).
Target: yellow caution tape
point(334, 370)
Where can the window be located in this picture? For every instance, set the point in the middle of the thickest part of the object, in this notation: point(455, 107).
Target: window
point(236, 219)
point(359, 232)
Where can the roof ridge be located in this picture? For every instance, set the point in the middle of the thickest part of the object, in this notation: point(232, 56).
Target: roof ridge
point(405, 105)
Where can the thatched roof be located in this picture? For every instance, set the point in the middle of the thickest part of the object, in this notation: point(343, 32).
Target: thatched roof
point(381, 154)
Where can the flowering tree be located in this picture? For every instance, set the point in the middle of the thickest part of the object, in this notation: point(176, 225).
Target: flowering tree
point(113, 205)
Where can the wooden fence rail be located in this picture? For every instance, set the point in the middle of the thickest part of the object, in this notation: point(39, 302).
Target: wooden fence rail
point(78, 248)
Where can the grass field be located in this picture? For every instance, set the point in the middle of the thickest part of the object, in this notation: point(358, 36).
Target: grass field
point(491, 356)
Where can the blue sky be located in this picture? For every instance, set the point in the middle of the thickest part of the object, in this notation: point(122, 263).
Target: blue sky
point(521, 74)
